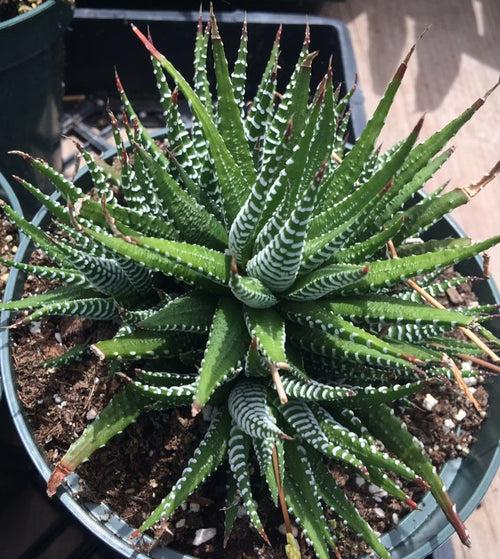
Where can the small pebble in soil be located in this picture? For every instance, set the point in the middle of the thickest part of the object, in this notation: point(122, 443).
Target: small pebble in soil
point(395, 518)
point(429, 402)
point(180, 523)
point(35, 327)
point(379, 512)
point(460, 415)
point(204, 535)
point(194, 507)
point(376, 492)
point(91, 414)
point(58, 338)
point(359, 481)
point(57, 398)
point(448, 424)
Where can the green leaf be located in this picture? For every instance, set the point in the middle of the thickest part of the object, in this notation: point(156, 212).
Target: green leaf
point(39, 237)
point(335, 498)
point(239, 447)
point(68, 276)
point(352, 165)
point(122, 410)
point(195, 224)
point(225, 350)
point(188, 313)
point(383, 273)
point(193, 264)
point(329, 345)
point(401, 191)
point(264, 452)
point(313, 391)
point(302, 496)
point(249, 407)
point(230, 124)
point(143, 344)
point(261, 109)
point(251, 291)
point(233, 185)
point(421, 216)
point(206, 459)
point(336, 219)
point(267, 190)
point(388, 309)
point(320, 283)
point(231, 508)
point(95, 308)
point(299, 415)
point(384, 424)
point(278, 263)
point(359, 446)
point(320, 316)
point(268, 328)
point(57, 295)
point(62, 184)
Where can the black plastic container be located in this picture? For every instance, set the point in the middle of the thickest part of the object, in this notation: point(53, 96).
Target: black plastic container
point(104, 36)
point(303, 6)
point(31, 86)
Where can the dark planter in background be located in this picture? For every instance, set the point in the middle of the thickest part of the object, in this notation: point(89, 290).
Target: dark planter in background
point(31, 85)
point(303, 6)
point(104, 35)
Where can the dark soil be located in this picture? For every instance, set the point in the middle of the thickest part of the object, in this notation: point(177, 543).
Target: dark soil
point(13, 8)
point(137, 468)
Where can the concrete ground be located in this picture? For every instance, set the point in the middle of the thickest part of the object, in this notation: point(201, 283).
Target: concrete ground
point(455, 63)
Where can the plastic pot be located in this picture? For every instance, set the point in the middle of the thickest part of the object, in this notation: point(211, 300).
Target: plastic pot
point(92, 28)
point(8, 195)
point(31, 86)
point(418, 534)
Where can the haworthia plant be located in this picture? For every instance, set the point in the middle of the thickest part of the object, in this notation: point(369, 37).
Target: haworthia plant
point(248, 260)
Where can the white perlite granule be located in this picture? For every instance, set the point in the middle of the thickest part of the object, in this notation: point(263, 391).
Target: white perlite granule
point(204, 535)
point(429, 402)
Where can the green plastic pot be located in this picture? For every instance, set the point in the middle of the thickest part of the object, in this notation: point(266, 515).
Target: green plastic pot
point(419, 533)
point(31, 87)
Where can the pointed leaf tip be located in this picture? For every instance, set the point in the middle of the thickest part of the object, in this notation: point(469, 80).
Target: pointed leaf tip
point(61, 471)
point(277, 38)
point(308, 60)
point(146, 42)
point(24, 155)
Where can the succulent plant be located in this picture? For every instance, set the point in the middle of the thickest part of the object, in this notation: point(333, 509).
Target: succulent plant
point(247, 254)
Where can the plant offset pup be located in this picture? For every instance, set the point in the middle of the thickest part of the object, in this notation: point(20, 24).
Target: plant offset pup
point(286, 316)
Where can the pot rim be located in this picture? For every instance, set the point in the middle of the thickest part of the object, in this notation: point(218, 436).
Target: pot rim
point(22, 18)
point(11, 197)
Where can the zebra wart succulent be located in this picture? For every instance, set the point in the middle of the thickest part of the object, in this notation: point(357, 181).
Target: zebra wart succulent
point(248, 255)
